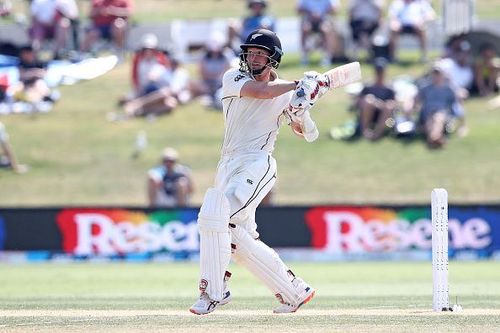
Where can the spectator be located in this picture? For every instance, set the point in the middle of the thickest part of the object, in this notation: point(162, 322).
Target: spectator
point(316, 20)
point(159, 102)
point(170, 184)
point(32, 88)
point(109, 21)
point(409, 17)
point(364, 18)
point(257, 19)
point(178, 88)
point(4, 85)
point(460, 74)
point(149, 66)
point(486, 69)
point(436, 100)
point(213, 65)
point(5, 8)
point(376, 104)
point(7, 156)
point(51, 20)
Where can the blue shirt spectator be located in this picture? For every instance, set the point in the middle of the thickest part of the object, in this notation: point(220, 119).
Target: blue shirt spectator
point(169, 184)
point(257, 19)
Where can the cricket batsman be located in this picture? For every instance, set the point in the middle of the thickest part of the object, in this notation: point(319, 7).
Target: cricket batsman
point(255, 104)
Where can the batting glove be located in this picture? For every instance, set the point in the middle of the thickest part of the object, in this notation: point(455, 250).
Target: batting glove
point(305, 94)
point(322, 80)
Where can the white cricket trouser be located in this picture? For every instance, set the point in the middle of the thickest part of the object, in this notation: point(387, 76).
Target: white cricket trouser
point(246, 179)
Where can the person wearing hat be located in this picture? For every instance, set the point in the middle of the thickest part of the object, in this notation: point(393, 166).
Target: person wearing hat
point(212, 66)
point(376, 104)
point(256, 102)
point(149, 64)
point(436, 101)
point(152, 79)
point(169, 184)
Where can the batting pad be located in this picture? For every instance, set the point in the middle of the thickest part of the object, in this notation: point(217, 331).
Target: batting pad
point(265, 264)
point(215, 242)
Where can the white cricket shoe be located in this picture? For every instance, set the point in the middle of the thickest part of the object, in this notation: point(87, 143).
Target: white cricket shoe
point(203, 305)
point(307, 295)
point(227, 297)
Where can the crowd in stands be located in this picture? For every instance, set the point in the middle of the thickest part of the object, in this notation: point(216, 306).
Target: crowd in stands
point(431, 105)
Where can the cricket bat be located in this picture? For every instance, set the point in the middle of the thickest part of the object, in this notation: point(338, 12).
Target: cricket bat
point(344, 75)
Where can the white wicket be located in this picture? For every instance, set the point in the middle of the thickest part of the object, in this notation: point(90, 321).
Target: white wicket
point(440, 297)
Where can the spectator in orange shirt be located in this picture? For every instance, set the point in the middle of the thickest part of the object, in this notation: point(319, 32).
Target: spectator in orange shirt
point(109, 21)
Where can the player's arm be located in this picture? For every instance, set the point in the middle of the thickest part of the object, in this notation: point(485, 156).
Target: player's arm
point(266, 90)
point(302, 125)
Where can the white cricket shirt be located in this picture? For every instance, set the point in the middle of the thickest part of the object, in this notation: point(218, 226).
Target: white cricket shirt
point(250, 124)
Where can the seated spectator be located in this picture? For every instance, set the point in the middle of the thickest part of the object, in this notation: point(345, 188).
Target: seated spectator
point(51, 20)
point(436, 100)
point(5, 8)
point(460, 74)
point(157, 103)
point(213, 65)
point(4, 85)
point(170, 184)
point(177, 89)
point(32, 88)
point(409, 17)
point(376, 104)
point(486, 71)
point(149, 66)
point(364, 18)
point(316, 19)
point(257, 19)
point(7, 156)
point(109, 20)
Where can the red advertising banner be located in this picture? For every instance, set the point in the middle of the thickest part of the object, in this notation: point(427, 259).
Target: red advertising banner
point(120, 231)
point(369, 230)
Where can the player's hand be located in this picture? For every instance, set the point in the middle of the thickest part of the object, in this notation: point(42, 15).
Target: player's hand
point(296, 115)
point(322, 80)
point(305, 94)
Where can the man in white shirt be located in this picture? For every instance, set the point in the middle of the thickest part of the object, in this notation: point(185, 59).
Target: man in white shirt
point(255, 103)
point(410, 17)
point(51, 19)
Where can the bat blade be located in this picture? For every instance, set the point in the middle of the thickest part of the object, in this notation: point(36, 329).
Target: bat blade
point(344, 75)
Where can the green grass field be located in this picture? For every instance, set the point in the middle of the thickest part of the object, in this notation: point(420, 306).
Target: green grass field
point(77, 157)
point(351, 297)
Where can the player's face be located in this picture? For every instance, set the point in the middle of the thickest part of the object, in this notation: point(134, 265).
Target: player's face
point(257, 58)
